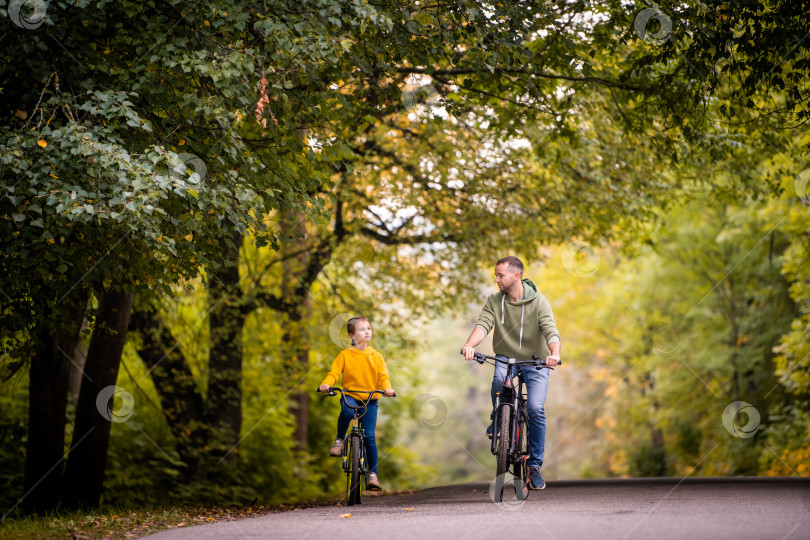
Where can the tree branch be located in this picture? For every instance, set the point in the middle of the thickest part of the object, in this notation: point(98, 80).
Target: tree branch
point(522, 71)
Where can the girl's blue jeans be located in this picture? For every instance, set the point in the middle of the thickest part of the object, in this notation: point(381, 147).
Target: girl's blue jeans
point(368, 421)
point(536, 382)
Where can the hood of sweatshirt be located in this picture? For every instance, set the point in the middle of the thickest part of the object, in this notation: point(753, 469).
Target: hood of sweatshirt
point(354, 351)
point(529, 291)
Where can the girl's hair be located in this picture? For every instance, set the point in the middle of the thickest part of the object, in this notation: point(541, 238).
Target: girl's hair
point(352, 324)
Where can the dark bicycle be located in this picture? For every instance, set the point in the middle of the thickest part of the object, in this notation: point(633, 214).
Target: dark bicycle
point(510, 422)
point(354, 447)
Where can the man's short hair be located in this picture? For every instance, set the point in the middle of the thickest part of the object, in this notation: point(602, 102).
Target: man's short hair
point(514, 264)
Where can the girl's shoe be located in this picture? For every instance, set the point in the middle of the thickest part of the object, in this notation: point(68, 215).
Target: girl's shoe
point(337, 448)
point(373, 483)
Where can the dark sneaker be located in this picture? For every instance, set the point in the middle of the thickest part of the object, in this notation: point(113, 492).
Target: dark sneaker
point(490, 430)
point(337, 448)
point(373, 483)
point(535, 479)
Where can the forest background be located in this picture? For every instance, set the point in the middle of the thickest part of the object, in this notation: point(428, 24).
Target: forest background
point(196, 197)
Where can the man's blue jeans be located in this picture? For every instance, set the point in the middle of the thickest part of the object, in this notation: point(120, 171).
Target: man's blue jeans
point(368, 421)
point(537, 387)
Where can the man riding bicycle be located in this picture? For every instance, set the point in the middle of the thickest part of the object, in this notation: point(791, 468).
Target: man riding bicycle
point(524, 326)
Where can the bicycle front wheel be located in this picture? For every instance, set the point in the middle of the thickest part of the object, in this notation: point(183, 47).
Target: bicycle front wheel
point(353, 475)
point(504, 427)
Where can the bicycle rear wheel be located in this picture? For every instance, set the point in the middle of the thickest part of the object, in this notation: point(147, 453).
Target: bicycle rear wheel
point(353, 475)
point(522, 452)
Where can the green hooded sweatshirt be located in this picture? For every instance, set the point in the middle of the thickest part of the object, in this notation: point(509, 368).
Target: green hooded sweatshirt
point(522, 328)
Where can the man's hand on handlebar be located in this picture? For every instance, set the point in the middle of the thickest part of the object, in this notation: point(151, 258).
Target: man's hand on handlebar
point(552, 360)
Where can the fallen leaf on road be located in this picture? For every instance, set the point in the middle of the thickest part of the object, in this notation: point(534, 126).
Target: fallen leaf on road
point(409, 509)
point(345, 515)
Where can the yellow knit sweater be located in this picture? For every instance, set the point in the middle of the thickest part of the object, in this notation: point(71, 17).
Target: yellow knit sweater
point(362, 370)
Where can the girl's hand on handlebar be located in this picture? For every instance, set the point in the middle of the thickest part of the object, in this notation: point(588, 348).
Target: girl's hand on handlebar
point(389, 392)
point(552, 360)
point(323, 388)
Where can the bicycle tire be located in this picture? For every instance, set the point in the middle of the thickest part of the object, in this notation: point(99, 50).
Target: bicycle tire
point(503, 439)
point(353, 476)
point(522, 451)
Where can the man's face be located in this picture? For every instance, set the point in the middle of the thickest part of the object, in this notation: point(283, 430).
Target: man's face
point(505, 277)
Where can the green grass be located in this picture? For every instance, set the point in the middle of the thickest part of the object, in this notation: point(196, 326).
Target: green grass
point(111, 522)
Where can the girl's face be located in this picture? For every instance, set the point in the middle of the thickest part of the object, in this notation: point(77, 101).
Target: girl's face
point(362, 331)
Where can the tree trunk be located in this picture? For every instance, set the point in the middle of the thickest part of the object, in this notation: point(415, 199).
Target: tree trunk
point(47, 403)
point(77, 367)
point(84, 474)
point(734, 339)
point(76, 373)
point(301, 397)
point(223, 405)
point(295, 337)
point(180, 399)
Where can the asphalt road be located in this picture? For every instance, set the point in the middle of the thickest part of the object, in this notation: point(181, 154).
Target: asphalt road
point(660, 509)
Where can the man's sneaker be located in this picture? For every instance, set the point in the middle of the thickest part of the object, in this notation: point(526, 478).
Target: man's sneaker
point(373, 483)
point(490, 430)
point(337, 448)
point(535, 479)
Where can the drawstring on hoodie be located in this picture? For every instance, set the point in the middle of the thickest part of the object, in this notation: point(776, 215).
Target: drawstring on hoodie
point(520, 343)
point(522, 308)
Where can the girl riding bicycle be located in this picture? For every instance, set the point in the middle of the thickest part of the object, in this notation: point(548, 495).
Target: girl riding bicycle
point(362, 368)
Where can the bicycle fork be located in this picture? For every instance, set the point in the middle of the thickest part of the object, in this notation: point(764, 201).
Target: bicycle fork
point(346, 443)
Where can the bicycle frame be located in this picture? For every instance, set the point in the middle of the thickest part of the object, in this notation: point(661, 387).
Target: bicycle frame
point(356, 430)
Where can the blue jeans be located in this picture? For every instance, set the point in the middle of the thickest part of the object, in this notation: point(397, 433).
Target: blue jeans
point(537, 387)
point(368, 421)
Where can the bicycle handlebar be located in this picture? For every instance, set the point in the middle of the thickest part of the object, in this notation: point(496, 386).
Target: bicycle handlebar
point(333, 389)
point(535, 361)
